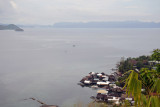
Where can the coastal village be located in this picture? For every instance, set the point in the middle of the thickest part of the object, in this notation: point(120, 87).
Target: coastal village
point(110, 88)
point(107, 90)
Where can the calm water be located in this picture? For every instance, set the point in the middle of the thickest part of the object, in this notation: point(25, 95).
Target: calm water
point(47, 64)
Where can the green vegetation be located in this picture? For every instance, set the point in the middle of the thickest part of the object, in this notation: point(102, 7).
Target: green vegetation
point(138, 63)
point(131, 63)
point(147, 79)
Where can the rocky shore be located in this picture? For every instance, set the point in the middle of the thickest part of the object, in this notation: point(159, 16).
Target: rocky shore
point(42, 103)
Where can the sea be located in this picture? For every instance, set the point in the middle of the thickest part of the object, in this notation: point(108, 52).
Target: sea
point(47, 63)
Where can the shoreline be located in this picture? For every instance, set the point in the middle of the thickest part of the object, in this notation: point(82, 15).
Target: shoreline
point(107, 90)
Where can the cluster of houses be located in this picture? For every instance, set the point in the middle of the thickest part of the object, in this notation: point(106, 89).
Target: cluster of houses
point(108, 91)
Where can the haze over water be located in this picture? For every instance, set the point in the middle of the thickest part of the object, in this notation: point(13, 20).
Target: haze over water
point(47, 64)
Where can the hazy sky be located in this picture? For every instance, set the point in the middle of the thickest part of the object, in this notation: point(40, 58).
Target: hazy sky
point(52, 11)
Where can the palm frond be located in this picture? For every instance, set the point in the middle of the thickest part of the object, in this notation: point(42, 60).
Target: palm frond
point(154, 101)
point(134, 86)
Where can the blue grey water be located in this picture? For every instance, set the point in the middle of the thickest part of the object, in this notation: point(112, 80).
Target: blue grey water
point(48, 63)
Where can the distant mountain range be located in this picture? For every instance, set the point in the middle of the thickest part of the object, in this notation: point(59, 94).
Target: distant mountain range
point(125, 24)
point(10, 27)
point(113, 24)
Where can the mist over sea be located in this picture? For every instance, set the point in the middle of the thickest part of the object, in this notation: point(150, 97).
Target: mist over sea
point(48, 63)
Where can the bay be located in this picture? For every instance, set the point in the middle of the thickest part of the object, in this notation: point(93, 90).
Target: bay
point(47, 63)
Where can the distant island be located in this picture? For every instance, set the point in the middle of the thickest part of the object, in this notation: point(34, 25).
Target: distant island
point(10, 27)
point(113, 24)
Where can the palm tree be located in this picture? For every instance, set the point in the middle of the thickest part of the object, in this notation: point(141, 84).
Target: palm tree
point(148, 80)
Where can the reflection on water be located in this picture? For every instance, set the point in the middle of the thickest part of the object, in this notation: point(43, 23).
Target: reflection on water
point(47, 64)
